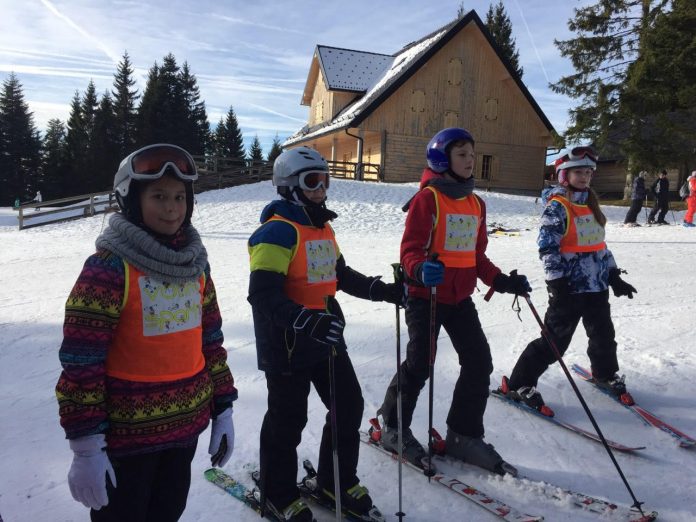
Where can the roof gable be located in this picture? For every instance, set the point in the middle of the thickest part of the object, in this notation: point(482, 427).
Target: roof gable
point(405, 64)
point(354, 71)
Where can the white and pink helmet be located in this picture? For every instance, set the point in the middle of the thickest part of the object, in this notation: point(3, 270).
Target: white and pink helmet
point(577, 157)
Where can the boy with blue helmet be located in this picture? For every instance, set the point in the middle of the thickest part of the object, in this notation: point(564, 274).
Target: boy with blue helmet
point(447, 221)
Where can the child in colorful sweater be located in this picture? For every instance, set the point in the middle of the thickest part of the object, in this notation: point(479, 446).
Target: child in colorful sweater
point(144, 369)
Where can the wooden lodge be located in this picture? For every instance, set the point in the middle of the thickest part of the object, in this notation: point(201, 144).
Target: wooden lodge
point(379, 111)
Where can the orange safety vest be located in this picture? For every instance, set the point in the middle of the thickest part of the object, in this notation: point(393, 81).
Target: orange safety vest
point(159, 336)
point(583, 233)
point(456, 230)
point(311, 274)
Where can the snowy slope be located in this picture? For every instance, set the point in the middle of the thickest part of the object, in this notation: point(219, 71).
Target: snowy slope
point(654, 332)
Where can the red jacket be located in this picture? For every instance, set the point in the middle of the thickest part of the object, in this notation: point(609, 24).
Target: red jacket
point(459, 283)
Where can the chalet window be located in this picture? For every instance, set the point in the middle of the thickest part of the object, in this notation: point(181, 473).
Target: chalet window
point(451, 119)
point(486, 166)
point(417, 100)
point(491, 111)
point(454, 71)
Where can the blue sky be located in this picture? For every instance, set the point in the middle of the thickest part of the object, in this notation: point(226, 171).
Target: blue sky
point(253, 57)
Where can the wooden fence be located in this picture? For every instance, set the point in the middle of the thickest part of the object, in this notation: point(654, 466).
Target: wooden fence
point(65, 209)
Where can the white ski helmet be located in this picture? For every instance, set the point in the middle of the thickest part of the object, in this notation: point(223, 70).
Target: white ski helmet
point(291, 163)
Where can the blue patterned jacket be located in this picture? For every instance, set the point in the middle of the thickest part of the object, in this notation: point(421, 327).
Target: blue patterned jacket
point(586, 271)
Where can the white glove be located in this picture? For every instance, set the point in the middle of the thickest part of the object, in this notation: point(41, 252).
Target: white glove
point(87, 475)
point(221, 439)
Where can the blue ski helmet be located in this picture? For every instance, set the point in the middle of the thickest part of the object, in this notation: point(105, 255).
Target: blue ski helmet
point(437, 151)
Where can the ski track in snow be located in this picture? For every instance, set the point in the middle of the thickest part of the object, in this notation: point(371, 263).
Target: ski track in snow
point(654, 333)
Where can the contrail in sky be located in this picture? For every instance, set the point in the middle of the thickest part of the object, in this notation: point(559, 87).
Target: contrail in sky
point(531, 38)
point(80, 30)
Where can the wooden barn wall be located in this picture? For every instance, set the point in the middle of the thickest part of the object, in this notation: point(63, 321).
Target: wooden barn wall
point(331, 102)
point(610, 178)
point(465, 85)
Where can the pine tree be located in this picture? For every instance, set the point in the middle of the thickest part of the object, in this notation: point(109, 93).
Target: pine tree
point(53, 160)
point(197, 126)
point(255, 150)
point(20, 145)
point(660, 93)
point(609, 35)
point(276, 150)
point(461, 11)
point(500, 27)
point(148, 109)
point(105, 155)
point(76, 146)
point(228, 138)
point(125, 114)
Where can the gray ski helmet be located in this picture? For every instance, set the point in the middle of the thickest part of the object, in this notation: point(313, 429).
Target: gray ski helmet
point(291, 163)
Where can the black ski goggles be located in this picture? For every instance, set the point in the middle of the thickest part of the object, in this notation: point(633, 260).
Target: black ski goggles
point(150, 162)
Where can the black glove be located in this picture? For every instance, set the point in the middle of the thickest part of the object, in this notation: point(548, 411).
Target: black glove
point(558, 288)
point(390, 292)
point(320, 326)
point(511, 284)
point(619, 286)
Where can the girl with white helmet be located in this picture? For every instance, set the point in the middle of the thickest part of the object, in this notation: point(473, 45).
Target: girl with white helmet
point(144, 368)
point(579, 270)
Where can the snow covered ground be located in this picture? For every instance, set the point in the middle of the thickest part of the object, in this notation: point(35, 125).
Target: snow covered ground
point(654, 330)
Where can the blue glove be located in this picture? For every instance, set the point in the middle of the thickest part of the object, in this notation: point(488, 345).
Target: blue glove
point(431, 273)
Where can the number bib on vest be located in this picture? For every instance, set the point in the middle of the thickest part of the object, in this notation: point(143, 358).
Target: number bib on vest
point(461, 232)
point(169, 307)
point(321, 260)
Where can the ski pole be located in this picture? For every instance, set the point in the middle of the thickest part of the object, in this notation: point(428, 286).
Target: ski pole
point(334, 425)
point(399, 280)
point(431, 374)
point(334, 434)
point(545, 333)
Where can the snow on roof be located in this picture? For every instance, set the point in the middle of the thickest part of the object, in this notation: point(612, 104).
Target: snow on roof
point(349, 70)
point(401, 63)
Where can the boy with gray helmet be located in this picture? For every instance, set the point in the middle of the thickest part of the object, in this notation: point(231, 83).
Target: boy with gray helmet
point(296, 269)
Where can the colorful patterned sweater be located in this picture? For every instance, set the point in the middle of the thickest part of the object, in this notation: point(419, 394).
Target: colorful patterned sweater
point(136, 417)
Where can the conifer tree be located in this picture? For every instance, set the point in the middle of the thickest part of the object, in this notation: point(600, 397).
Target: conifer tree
point(197, 126)
point(148, 109)
point(500, 27)
point(53, 161)
point(20, 145)
point(255, 150)
point(105, 156)
point(276, 149)
point(125, 114)
point(76, 145)
point(608, 40)
point(229, 142)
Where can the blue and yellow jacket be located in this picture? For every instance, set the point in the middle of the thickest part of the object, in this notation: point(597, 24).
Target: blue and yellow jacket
point(272, 247)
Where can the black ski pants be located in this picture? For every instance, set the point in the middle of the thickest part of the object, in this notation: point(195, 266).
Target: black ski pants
point(661, 204)
point(286, 417)
point(152, 487)
point(561, 320)
point(633, 211)
point(470, 394)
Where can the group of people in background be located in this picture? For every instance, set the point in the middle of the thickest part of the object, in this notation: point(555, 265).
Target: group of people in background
point(145, 370)
point(660, 191)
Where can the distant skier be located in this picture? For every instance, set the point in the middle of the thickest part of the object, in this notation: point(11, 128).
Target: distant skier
point(296, 269)
point(637, 197)
point(691, 201)
point(446, 218)
point(144, 369)
point(660, 188)
point(579, 271)
point(38, 199)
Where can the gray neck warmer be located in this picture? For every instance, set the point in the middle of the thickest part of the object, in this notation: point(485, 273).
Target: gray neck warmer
point(148, 255)
point(452, 188)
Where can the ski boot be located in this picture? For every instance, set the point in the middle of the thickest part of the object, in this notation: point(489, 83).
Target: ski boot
point(475, 451)
point(526, 394)
point(616, 386)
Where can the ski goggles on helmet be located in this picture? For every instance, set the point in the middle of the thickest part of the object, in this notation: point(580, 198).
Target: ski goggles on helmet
point(149, 163)
point(579, 153)
point(313, 179)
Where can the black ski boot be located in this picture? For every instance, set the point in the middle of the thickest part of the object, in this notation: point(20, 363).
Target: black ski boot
point(616, 386)
point(526, 394)
point(475, 451)
point(413, 451)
